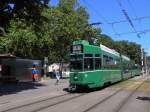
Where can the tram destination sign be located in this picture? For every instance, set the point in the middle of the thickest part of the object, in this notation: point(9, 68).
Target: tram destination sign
point(77, 49)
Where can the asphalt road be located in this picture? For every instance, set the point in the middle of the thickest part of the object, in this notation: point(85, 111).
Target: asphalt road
point(127, 96)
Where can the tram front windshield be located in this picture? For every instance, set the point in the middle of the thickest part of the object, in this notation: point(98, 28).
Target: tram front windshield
point(76, 62)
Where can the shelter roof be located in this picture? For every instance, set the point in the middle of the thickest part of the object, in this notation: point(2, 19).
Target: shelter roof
point(7, 56)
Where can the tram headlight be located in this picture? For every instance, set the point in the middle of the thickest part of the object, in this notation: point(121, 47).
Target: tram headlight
point(85, 75)
point(75, 77)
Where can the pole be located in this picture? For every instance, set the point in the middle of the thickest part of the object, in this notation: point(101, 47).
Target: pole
point(142, 60)
point(45, 65)
point(145, 63)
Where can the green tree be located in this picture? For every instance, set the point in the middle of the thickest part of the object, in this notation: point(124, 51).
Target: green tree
point(30, 10)
point(44, 31)
point(67, 22)
point(130, 49)
point(22, 41)
point(106, 40)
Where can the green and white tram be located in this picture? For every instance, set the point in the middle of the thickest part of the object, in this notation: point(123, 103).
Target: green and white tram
point(95, 66)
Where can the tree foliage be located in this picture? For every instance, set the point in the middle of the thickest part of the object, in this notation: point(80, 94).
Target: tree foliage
point(130, 49)
point(22, 41)
point(67, 21)
point(34, 29)
point(30, 10)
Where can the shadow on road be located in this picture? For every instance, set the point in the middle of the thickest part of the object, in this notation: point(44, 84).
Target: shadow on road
point(11, 88)
point(84, 90)
point(144, 98)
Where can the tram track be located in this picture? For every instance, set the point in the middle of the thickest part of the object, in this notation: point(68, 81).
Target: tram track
point(112, 95)
point(60, 99)
point(63, 101)
point(103, 100)
point(50, 98)
point(127, 98)
point(45, 103)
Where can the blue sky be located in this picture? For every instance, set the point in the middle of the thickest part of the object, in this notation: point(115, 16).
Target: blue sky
point(106, 11)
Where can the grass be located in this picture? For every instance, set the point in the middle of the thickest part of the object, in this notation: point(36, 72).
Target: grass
point(123, 84)
point(45, 78)
point(145, 86)
point(131, 85)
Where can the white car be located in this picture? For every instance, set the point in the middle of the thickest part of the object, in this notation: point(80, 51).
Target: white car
point(65, 74)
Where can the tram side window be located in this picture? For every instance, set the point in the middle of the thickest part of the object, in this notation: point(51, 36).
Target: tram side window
point(88, 63)
point(97, 63)
point(105, 60)
point(76, 65)
point(109, 62)
point(117, 63)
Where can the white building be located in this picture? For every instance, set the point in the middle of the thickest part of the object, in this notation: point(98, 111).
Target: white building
point(54, 66)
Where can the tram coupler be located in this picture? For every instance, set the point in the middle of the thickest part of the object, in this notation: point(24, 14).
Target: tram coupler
point(72, 88)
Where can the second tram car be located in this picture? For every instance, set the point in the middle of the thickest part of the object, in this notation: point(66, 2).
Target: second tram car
point(95, 66)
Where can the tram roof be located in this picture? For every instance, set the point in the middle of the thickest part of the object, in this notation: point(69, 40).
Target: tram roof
point(84, 42)
point(125, 58)
point(7, 56)
point(108, 50)
point(98, 49)
point(87, 47)
point(113, 52)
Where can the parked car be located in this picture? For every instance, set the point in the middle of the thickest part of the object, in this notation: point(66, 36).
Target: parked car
point(65, 74)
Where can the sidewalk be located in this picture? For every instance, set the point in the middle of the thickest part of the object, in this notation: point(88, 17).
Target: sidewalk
point(28, 91)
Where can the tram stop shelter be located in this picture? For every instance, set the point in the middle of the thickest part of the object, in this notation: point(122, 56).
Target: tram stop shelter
point(7, 68)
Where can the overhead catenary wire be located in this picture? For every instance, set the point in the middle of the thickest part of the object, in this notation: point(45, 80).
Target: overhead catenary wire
point(127, 17)
point(133, 10)
point(133, 19)
point(139, 32)
point(114, 29)
point(100, 15)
